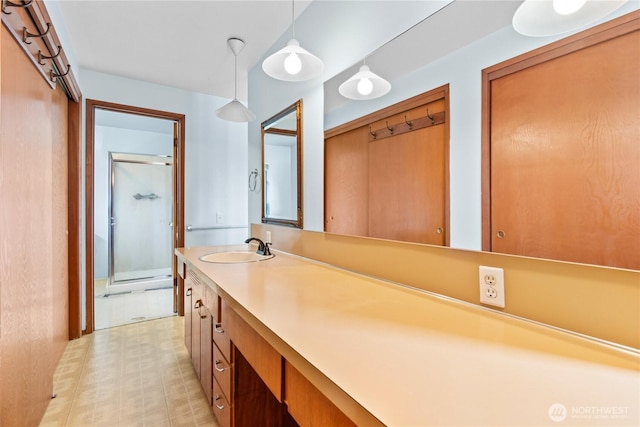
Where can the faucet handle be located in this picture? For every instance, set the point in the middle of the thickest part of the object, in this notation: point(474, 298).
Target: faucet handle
point(266, 249)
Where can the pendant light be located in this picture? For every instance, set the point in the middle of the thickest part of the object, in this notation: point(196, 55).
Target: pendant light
point(235, 111)
point(540, 18)
point(364, 84)
point(292, 63)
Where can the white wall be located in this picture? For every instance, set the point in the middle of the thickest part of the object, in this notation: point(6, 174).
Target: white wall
point(460, 69)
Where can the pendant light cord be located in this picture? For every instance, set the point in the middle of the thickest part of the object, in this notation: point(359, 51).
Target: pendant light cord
point(293, 25)
point(235, 74)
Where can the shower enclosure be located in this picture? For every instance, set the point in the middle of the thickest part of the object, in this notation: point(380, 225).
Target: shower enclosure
point(140, 232)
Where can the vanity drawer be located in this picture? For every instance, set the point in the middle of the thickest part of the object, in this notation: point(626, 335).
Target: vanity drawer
point(222, 336)
point(221, 407)
point(222, 371)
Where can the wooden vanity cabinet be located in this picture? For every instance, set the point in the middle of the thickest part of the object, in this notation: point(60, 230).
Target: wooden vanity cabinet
point(262, 357)
point(201, 311)
point(307, 405)
point(242, 374)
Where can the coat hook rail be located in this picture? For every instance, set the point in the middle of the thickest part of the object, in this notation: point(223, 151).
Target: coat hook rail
point(41, 57)
point(26, 35)
point(407, 126)
point(7, 3)
point(55, 76)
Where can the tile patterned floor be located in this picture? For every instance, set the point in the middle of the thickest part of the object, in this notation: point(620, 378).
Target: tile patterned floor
point(129, 376)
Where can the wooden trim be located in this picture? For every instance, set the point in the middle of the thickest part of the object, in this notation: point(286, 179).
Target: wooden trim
point(74, 118)
point(407, 104)
point(88, 215)
point(447, 170)
point(607, 31)
point(178, 163)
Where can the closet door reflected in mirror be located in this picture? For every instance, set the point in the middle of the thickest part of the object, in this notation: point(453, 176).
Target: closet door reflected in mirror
point(386, 174)
point(281, 167)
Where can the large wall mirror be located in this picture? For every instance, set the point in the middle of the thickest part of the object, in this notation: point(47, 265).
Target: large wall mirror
point(281, 167)
point(494, 46)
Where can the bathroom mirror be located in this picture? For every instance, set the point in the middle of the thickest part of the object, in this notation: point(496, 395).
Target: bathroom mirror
point(281, 167)
point(449, 60)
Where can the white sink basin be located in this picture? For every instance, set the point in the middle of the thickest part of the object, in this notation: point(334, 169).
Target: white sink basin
point(235, 257)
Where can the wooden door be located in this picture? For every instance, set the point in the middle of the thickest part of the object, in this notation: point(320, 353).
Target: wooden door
point(34, 284)
point(347, 183)
point(565, 157)
point(406, 186)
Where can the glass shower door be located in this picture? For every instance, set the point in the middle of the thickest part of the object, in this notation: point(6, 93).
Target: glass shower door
point(141, 249)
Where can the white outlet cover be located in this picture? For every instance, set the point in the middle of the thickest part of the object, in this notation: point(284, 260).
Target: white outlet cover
point(491, 294)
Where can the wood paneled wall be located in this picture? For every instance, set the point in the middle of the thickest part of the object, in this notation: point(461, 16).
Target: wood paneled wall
point(33, 236)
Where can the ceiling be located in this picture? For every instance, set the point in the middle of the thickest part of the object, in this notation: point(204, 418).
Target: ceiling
point(178, 43)
point(183, 43)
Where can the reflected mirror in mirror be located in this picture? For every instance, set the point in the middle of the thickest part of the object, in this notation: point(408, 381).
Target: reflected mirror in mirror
point(281, 163)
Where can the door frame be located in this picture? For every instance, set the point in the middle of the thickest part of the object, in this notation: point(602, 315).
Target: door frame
point(178, 197)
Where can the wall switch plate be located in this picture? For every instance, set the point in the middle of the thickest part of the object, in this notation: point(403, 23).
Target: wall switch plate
point(491, 281)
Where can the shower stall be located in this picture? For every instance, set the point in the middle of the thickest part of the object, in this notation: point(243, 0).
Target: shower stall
point(141, 224)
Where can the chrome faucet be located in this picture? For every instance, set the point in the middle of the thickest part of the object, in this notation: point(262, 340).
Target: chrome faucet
point(263, 248)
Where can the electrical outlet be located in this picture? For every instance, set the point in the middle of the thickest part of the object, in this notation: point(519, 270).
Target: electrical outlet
point(491, 281)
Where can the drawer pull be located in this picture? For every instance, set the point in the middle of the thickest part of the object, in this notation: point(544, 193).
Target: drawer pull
point(188, 293)
point(216, 398)
point(218, 328)
point(198, 304)
point(218, 369)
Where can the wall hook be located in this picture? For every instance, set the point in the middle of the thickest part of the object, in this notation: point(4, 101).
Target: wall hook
point(390, 128)
point(41, 57)
point(7, 3)
point(409, 123)
point(26, 34)
point(433, 121)
point(54, 75)
point(373, 134)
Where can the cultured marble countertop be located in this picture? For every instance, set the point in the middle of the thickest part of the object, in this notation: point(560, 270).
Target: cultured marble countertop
point(412, 358)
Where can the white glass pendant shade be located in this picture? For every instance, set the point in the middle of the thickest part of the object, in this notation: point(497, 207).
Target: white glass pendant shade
point(364, 85)
point(235, 111)
point(293, 64)
point(567, 7)
point(540, 18)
